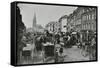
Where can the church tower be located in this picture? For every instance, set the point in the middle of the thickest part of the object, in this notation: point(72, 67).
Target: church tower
point(34, 22)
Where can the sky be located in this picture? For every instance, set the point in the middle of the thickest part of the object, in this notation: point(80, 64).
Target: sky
point(44, 13)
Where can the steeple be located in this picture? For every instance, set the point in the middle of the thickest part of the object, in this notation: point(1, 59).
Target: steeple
point(34, 20)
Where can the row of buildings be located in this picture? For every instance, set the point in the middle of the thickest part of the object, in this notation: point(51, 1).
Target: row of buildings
point(57, 26)
point(53, 26)
point(82, 18)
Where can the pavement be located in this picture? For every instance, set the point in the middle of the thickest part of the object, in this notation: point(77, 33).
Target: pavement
point(71, 54)
point(74, 54)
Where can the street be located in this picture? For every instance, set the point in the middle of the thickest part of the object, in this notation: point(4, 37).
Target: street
point(74, 54)
point(54, 37)
point(71, 54)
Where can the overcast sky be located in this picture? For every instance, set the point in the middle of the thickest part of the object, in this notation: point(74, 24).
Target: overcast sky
point(44, 13)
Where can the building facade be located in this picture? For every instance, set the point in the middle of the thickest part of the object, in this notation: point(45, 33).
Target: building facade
point(83, 18)
point(53, 26)
point(63, 23)
point(89, 19)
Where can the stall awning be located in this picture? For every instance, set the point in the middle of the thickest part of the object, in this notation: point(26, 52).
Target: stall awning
point(74, 32)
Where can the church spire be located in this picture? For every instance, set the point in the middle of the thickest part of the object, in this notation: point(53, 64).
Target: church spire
point(34, 20)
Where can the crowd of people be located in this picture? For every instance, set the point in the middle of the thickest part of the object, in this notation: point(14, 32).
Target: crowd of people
point(58, 42)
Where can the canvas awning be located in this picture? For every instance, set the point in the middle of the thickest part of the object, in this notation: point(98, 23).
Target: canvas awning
point(74, 32)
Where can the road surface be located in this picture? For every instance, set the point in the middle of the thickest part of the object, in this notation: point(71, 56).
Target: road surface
point(72, 54)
